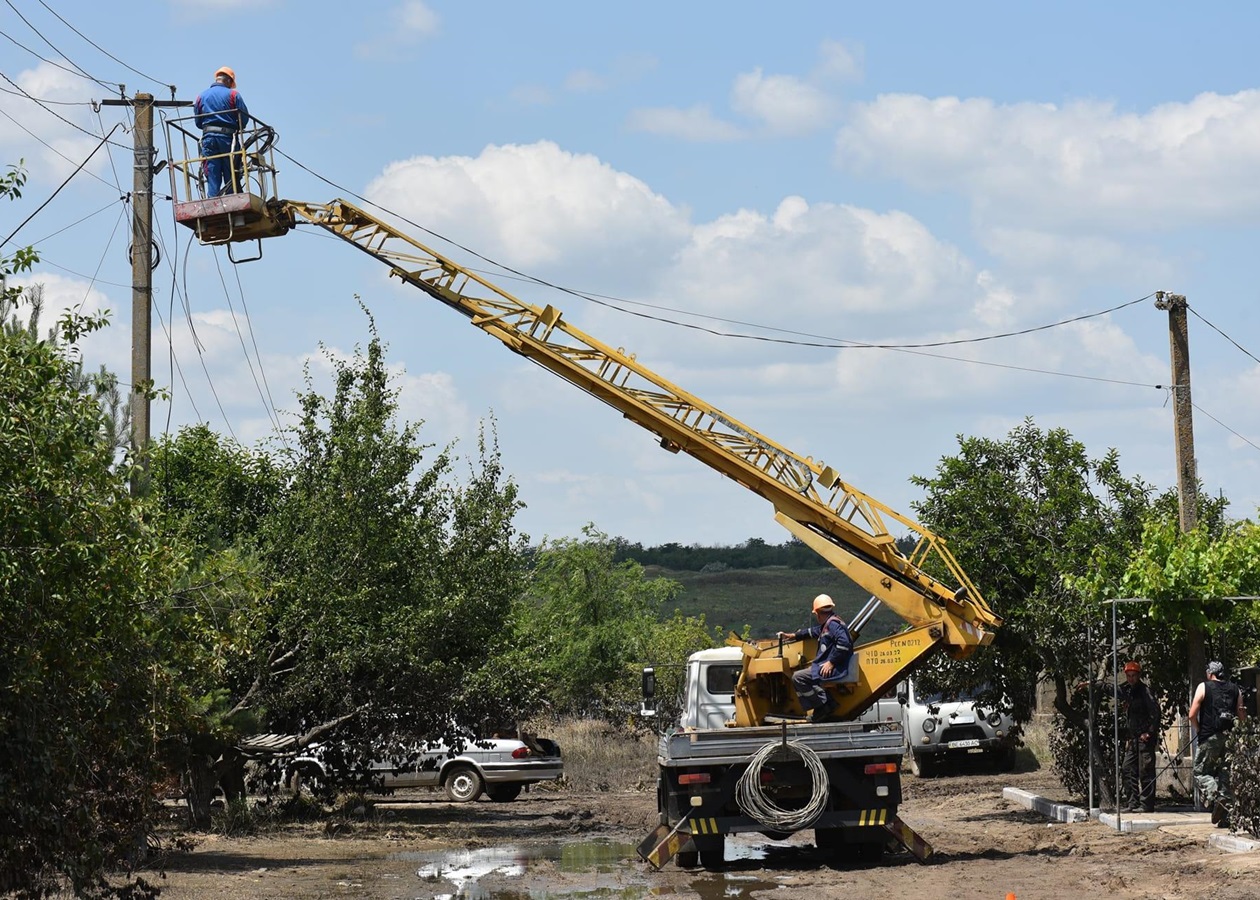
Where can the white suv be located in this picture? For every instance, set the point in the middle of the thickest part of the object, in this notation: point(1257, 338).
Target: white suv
point(940, 730)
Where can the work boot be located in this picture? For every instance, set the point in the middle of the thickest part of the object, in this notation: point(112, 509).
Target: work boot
point(1220, 814)
point(823, 713)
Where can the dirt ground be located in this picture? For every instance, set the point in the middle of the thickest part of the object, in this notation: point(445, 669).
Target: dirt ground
point(580, 845)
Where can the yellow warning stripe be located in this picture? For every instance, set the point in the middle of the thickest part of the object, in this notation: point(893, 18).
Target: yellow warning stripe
point(873, 817)
point(704, 826)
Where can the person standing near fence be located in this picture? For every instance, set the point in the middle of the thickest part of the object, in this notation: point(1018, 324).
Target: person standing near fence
point(1141, 716)
point(1217, 704)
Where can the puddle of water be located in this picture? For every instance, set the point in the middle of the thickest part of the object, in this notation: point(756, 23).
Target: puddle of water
point(464, 869)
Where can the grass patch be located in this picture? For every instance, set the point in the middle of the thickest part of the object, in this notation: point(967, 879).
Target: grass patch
point(598, 757)
point(770, 599)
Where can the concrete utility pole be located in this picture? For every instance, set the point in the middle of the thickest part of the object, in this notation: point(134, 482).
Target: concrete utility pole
point(142, 275)
point(1183, 439)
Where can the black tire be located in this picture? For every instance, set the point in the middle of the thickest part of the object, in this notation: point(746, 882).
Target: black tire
point(306, 779)
point(503, 793)
point(829, 840)
point(463, 784)
point(1004, 760)
point(871, 853)
point(922, 765)
point(714, 857)
point(687, 859)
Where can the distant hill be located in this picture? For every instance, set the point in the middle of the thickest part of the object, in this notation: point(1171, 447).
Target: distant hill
point(770, 598)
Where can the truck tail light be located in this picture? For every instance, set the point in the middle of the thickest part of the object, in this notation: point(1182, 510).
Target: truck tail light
point(694, 778)
point(881, 769)
point(520, 753)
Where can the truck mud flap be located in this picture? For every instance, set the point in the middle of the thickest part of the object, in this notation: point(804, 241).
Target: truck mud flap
point(663, 844)
point(909, 838)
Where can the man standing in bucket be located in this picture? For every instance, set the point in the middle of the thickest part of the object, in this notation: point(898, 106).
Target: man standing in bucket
point(835, 648)
point(221, 115)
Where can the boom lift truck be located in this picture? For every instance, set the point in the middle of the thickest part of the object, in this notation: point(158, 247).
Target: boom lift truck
point(840, 777)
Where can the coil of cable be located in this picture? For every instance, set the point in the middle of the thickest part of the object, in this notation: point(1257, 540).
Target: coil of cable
point(751, 795)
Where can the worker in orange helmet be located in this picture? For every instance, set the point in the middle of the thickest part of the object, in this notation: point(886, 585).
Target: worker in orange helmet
point(1141, 715)
point(221, 115)
point(835, 649)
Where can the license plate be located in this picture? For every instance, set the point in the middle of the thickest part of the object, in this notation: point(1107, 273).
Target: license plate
point(962, 720)
point(960, 745)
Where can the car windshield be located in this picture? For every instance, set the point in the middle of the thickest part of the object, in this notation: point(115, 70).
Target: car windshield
point(967, 695)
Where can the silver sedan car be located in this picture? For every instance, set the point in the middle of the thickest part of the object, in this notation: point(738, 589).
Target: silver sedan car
point(497, 767)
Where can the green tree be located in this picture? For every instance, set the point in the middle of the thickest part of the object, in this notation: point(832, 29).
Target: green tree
point(1022, 515)
point(214, 496)
point(592, 621)
point(79, 574)
point(389, 585)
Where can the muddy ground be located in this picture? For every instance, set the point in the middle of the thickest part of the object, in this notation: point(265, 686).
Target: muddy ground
point(580, 845)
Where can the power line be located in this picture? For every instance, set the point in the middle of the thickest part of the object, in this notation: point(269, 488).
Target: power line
point(50, 146)
point(815, 341)
point(59, 187)
point(103, 50)
point(1221, 333)
point(57, 114)
point(1223, 425)
point(77, 72)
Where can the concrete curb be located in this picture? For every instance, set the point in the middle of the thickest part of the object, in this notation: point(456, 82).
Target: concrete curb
point(1131, 822)
point(1233, 843)
point(1059, 812)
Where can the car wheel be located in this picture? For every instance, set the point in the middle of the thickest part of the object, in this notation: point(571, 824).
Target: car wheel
point(503, 793)
point(922, 765)
point(463, 784)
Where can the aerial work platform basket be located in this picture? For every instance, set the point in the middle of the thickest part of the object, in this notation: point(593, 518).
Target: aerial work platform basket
point(249, 214)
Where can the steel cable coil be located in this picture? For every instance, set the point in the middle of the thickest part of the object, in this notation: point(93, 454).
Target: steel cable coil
point(752, 799)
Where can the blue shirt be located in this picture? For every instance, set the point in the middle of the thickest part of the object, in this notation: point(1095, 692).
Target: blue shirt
point(222, 107)
point(834, 643)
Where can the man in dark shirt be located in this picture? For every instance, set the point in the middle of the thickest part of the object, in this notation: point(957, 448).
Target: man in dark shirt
point(1217, 704)
point(835, 648)
point(1141, 716)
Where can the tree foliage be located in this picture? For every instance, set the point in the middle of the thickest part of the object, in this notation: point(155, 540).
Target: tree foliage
point(79, 573)
point(594, 622)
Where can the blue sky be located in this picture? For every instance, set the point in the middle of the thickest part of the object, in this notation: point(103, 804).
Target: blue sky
point(878, 173)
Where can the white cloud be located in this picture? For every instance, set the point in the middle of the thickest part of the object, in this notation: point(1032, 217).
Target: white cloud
point(1084, 165)
point(584, 81)
point(839, 60)
point(42, 130)
point(696, 123)
point(411, 22)
point(538, 206)
point(531, 95)
point(785, 105)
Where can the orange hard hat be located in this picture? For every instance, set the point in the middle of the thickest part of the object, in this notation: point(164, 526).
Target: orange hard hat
point(1132, 667)
point(226, 70)
point(822, 601)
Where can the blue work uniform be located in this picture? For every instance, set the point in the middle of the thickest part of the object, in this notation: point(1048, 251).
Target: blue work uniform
point(835, 645)
point(221, 115)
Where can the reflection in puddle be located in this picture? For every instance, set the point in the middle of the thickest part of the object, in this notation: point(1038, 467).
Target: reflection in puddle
point(457, 874)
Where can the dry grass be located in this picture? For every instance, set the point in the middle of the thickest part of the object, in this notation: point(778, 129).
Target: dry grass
point(1036, 737)
point(598, 757)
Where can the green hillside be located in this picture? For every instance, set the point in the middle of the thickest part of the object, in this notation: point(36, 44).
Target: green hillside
point(769, 599)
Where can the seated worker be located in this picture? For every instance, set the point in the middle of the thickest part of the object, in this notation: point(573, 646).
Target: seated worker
point(835, 648)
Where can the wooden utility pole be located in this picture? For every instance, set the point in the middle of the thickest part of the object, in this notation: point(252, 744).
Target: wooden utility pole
point(142, 276)
point(1183, 439)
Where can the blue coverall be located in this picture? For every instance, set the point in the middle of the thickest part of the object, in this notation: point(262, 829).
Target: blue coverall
point(834, 646)
point(221, 115)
